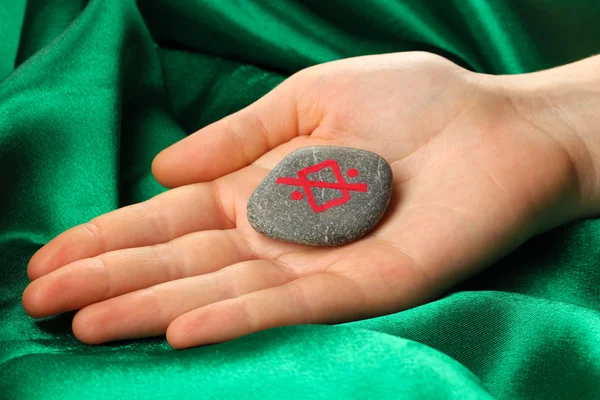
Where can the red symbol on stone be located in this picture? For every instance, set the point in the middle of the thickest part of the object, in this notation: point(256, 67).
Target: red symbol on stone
point(340, 184)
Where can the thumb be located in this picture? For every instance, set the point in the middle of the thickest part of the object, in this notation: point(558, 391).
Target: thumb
point(240, 138)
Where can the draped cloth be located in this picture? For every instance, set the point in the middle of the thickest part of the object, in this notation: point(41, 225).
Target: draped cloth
point(91, 91)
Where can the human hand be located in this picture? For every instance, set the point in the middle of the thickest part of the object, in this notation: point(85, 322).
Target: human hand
point(476, 173)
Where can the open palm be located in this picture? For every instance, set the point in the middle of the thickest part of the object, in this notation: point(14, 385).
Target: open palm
point(468, 188)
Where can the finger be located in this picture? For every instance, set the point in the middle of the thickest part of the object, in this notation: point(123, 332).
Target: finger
point(239, 139)
point(158, 220)
point(108, 275)
point(320, 298)
point(148, 312)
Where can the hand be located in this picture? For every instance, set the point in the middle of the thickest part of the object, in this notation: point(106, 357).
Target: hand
point(474, 177)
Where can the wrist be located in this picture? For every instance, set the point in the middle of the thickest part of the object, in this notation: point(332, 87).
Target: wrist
point(564, 103)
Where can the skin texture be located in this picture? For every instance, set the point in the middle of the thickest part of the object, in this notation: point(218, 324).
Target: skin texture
point(481, 164)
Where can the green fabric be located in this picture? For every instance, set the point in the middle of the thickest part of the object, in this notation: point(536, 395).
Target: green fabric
point(91, 91)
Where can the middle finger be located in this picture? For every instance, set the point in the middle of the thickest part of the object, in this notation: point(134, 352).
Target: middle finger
point(118, 272)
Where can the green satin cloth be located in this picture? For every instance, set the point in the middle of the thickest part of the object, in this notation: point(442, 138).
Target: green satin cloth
point(91, 91)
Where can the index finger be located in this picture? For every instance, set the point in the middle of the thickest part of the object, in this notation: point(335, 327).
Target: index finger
point(158, 220)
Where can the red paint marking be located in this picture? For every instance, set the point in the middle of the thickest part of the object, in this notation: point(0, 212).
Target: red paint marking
point(340, 184)
point(352, 172)
point(358, 187)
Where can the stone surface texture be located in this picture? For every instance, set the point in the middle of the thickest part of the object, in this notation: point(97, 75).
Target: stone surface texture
point(338, 212)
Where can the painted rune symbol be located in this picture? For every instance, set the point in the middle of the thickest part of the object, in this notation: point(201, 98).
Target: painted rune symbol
point(340, 184)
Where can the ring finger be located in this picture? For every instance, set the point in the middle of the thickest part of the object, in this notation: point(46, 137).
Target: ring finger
point(149, 312)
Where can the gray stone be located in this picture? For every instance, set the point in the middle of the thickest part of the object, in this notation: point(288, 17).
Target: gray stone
point(349, 193)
